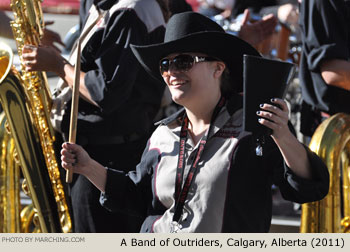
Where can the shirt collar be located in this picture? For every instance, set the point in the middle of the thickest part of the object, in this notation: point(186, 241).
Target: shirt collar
point(173, 117)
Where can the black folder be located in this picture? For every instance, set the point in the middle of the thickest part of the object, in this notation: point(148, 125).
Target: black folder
point(263, 79)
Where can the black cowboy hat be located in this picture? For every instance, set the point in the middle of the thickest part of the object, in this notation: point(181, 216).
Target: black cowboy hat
point(193, 32)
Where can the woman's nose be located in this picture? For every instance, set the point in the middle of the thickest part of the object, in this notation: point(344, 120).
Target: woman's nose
point(173, 68)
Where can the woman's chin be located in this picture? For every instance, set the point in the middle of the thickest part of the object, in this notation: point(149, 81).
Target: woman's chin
point(178, 98)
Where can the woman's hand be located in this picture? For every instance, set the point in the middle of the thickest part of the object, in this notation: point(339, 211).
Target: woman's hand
point(294, 154)
point(75, 158)
point(275, 117)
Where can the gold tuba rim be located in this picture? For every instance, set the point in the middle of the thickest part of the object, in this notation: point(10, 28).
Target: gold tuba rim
point(331, 141)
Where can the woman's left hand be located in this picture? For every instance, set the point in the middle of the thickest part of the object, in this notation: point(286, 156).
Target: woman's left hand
point(275, 117)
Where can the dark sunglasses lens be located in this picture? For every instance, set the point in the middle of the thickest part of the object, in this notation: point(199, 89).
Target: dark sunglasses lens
point(164, 65)
point(183, 62)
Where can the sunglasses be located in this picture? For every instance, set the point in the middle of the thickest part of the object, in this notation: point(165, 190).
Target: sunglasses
point(181, 63)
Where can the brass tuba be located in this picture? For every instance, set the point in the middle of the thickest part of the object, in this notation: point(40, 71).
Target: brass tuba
point(26, 101)
point(9, 179)
point(331, 141)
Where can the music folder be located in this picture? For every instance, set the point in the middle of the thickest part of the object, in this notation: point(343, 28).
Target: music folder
point(263, 79)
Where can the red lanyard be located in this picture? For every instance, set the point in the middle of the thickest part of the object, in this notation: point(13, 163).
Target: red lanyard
point(181, 194)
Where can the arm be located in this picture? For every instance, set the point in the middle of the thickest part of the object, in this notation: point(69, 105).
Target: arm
point(114, 69)
point(47, 58)
point(336, 72)
point(325, 38)
point(303, 177)
point(76, 159)
point(293, 152)
point(109, 80)
point(121, 191)
point(292, 186)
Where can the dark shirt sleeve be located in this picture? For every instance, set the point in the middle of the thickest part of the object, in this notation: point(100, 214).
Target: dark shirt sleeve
point(131, 192)
point(325, 31)
point(301, 190)
point(112, 68)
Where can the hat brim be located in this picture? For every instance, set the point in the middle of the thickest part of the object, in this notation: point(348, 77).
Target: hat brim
point(223, 46)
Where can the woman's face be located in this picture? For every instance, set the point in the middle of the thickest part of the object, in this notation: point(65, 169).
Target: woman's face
point(196, 84)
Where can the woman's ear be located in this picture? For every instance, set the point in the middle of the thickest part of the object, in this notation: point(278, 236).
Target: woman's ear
point(219, 69)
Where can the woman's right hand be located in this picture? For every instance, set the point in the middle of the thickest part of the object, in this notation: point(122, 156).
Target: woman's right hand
point(75, 158)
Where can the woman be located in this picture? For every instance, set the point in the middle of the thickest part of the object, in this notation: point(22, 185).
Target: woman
point(200, 156)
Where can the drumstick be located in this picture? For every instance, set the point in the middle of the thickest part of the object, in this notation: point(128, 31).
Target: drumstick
point(74, 110)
